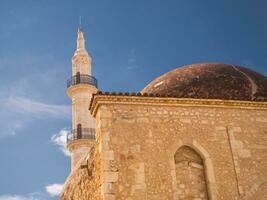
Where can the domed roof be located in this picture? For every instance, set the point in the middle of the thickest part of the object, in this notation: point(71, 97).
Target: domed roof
point(210, 81)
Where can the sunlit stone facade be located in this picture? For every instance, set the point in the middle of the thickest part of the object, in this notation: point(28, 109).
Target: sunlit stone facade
point(163, 147)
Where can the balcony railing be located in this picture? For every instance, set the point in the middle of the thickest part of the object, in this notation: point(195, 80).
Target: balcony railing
point(83, 133)
point(82, 79)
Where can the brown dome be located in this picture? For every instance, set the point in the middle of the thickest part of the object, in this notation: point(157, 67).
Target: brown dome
point(210, 81)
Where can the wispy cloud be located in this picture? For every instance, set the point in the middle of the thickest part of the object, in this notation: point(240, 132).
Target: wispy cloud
point(29, 106)
point(17, 112)
point(54, 189)
point(60, 139)
point(32, 196)
point(11, 122)
point(132, 67)
point(24, 94)
point(132, 62)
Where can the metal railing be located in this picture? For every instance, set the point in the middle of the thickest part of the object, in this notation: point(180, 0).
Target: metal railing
point(82, 78)
point(83, 133)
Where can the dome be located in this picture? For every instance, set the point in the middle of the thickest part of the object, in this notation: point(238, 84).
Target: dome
point(210, 81)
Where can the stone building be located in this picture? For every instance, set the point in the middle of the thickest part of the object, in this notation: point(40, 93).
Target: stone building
point(197, 132)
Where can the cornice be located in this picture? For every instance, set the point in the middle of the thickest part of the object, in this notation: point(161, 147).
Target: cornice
point(81, 88)
point(80, 142)
point(102, 99)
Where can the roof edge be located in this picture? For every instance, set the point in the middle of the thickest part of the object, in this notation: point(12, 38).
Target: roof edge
point(101, 98)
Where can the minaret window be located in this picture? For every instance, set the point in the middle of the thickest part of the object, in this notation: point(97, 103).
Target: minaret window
point(78, 77)
point(79, 131)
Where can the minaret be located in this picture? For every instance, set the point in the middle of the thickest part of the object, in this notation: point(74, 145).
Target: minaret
point(81, 86)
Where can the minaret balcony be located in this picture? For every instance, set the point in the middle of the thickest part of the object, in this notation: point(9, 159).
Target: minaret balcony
point(82, 79)
point(83, 133)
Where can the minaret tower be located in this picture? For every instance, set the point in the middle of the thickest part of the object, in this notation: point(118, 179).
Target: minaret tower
point(81, 86)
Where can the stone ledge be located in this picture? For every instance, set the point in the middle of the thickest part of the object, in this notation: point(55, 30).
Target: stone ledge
point(100, 99)
point(80, 142)
point(82, 87)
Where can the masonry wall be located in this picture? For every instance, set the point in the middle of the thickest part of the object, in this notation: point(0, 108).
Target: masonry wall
point(85, 179)
point(137, 146)
point(84, 182)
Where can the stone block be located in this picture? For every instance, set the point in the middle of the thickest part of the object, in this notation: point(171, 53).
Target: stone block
point(185, 120)
point(106, 188)
point(108, 155)
point(244, 153)
point(110, 176)
point(109, 197)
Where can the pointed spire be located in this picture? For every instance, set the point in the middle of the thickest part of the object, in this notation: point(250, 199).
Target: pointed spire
point(80, 21)
point(80, 39)
point(81, 60)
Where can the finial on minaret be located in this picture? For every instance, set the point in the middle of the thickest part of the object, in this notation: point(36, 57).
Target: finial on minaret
point(80, 24)
point(80, 39)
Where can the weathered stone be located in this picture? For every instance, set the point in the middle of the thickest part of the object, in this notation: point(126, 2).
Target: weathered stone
point(219, 160)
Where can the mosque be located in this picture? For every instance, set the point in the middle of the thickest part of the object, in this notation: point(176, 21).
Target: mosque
point(198, 132)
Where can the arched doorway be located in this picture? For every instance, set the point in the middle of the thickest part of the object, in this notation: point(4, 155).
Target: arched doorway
point(190, 174)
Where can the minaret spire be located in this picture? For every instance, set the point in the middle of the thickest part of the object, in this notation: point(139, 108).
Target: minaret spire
point(80, 21)
point(80, 39)
point(81, 86)
point(81, 60)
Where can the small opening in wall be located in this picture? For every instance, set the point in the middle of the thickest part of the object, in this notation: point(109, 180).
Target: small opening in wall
point(79, 131)
point(78, 77)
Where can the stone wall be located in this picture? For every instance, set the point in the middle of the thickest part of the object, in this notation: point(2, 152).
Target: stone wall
point(83, 182)
point(78, 150)
point(169, 149)
point(138, 142)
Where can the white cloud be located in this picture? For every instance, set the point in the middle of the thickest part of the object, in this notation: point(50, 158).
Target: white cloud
point(131, 67)
point(54, 189)
point(131, 60)
point(18, 108)
point(17, 112)
point(132, 63)
point(60, 139)
point(29, 106)
point(26, 90)
point(10, 122)
point(33, 196)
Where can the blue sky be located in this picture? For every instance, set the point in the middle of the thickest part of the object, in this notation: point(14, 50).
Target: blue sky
point(131, 43)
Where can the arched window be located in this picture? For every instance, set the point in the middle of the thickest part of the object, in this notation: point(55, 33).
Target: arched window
point(190, 174)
